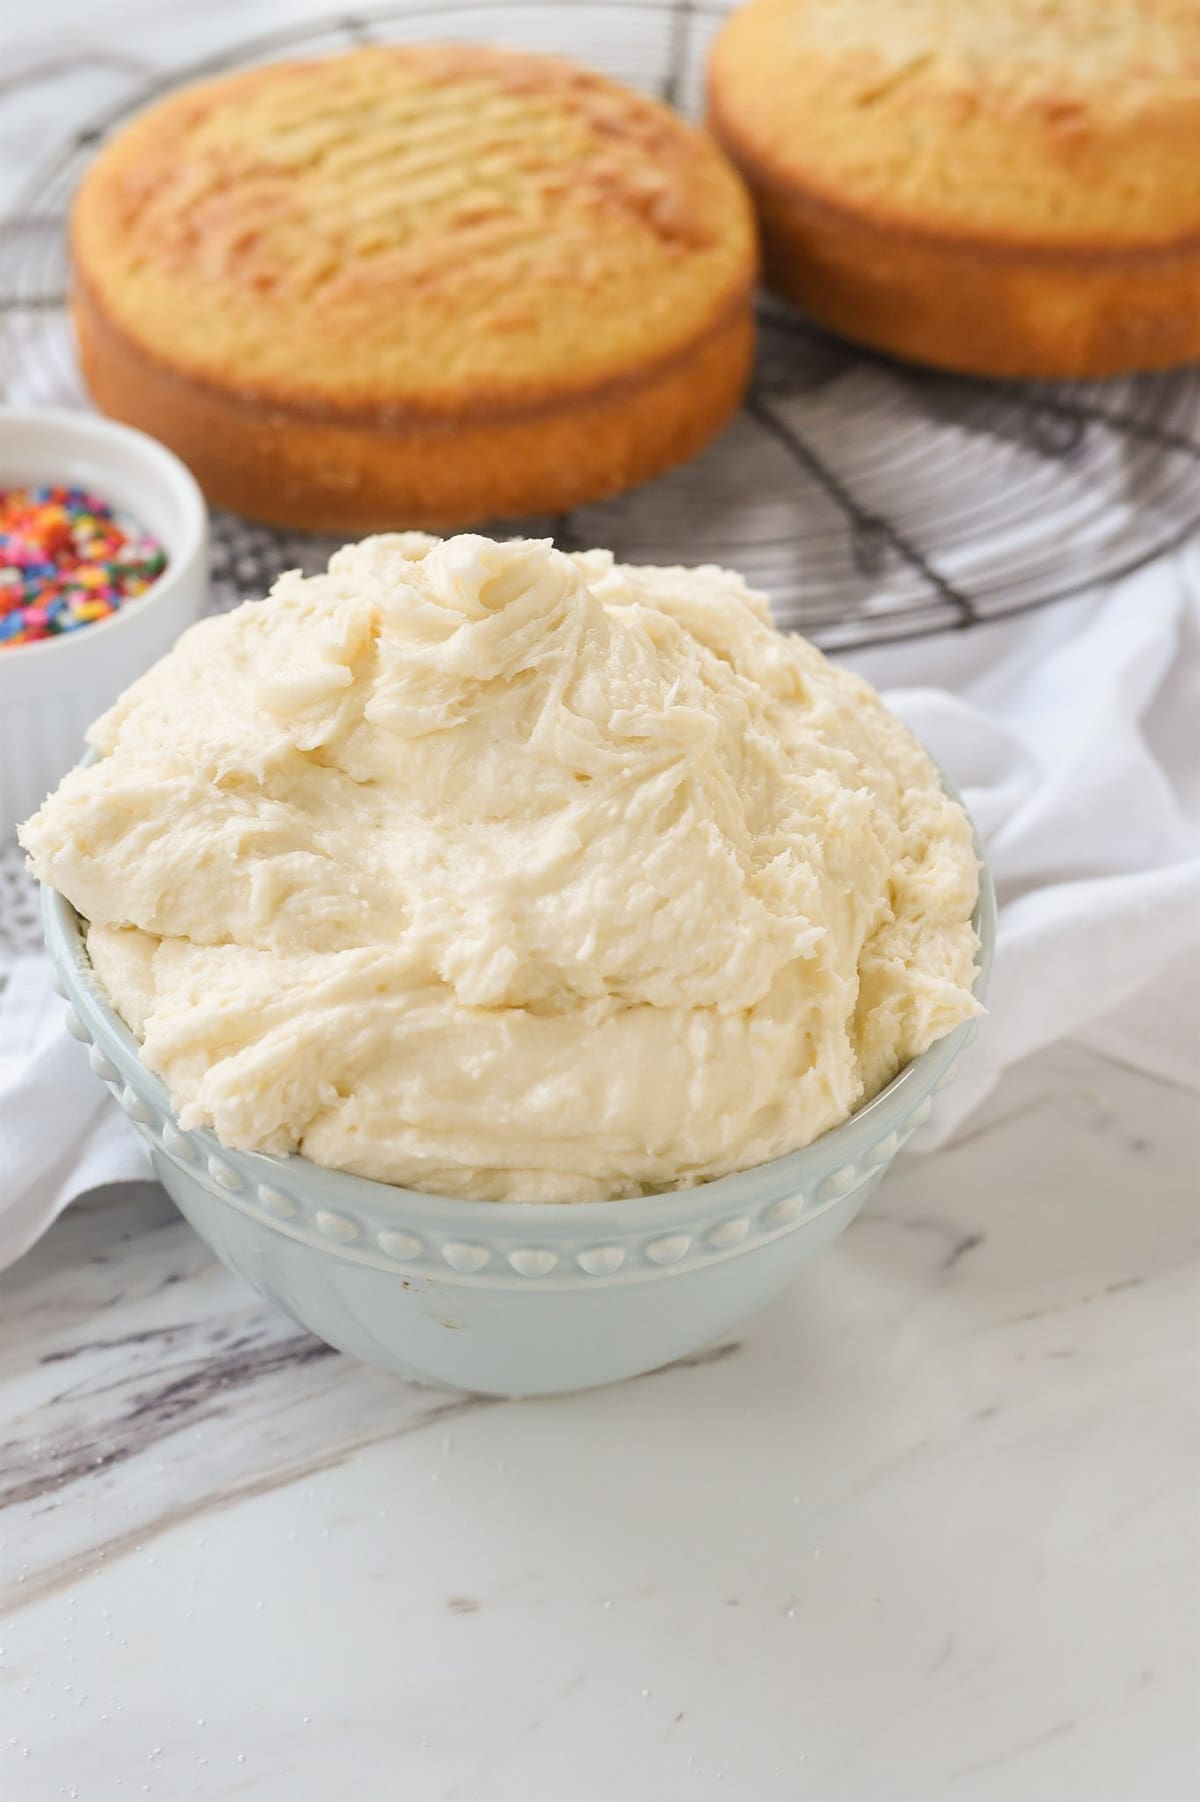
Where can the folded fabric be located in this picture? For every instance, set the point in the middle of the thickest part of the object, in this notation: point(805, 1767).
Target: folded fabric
point(1074, 738)
point(60, 1134)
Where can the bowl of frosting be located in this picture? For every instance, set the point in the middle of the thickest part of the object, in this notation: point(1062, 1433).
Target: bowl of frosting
point(520, 964)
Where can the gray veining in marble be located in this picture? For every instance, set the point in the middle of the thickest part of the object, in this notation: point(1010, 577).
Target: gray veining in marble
point(927, 1532)
point(905, 1539)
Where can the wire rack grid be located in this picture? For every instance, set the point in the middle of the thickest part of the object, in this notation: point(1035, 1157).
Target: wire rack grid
point(871, 500)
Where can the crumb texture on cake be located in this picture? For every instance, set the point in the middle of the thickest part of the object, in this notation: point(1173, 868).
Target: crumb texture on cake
point(1054, 119)
point(411, 231)
point(511, 874)
point(1004, 188)
point(1063, 121)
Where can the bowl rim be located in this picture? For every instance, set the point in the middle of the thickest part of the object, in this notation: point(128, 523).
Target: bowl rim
point(95, 430)
point(846, 1144)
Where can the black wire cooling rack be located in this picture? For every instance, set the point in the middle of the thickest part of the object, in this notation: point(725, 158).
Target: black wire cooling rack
point(871, 500)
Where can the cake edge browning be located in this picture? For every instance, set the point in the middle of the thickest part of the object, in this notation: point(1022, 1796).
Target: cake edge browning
point(319, 469)
point(1022, 306)
point(450, 397)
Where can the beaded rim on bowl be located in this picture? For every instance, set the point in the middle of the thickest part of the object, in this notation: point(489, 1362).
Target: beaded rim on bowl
point(418, 1235)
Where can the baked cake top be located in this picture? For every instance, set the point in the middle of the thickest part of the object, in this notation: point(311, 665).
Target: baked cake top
point(1062, 121)
point(413, 228)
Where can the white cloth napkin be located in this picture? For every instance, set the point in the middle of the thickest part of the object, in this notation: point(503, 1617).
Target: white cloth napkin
point(1074, 738)
point(60, 1134)
point(1073, 734)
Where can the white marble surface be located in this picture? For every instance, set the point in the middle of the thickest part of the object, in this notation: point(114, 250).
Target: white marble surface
point(927, 1530)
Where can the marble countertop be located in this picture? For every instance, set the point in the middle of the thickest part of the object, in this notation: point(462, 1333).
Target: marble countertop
point(925, 1529)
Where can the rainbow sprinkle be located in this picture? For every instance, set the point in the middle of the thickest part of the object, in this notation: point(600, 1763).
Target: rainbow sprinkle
point(66, 562)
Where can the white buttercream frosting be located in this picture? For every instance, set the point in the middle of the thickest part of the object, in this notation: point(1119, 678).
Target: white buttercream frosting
point(510, 874)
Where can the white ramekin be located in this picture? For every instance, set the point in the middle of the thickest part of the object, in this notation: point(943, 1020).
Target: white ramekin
point(51, 691)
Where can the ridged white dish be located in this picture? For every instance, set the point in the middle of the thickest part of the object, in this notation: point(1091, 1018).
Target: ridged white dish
point(52, 690)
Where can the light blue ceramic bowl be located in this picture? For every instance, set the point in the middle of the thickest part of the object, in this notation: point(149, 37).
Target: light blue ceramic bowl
point(500, 1297)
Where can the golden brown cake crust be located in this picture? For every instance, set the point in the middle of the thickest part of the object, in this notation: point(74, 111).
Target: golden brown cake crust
point(1006, 188)
point(432, 284)
point(348, 475)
